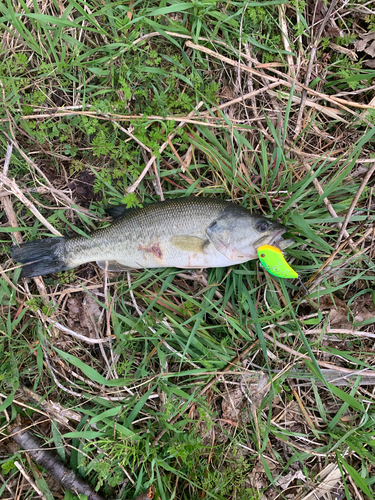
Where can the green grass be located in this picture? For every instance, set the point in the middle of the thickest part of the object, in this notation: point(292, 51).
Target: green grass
point(169, 402)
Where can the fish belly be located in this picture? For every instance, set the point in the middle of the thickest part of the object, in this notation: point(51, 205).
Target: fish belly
point(156, 254)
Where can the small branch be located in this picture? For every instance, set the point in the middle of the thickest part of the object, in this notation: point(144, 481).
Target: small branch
point(14, 189)
point(283, 79)
point(6, 201)
point(76, 335)
point(331, 257)
point(284, 36)
point(327, 203)
point(324, 364)
point(157, 183)
point(52, 464)
point(29, 480)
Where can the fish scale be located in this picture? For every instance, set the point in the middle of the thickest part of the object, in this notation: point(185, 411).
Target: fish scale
point(188, 233)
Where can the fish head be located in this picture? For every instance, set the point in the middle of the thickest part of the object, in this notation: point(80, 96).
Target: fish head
point(238, 237)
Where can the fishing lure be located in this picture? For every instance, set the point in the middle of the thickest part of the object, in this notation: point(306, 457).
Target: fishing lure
point(272, 259)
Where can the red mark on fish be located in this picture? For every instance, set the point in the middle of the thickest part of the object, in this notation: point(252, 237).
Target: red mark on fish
point(155, 250)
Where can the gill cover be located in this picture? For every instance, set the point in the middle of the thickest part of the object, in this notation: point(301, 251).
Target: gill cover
point(233, 236)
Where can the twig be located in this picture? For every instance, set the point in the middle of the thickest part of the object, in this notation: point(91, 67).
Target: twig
point(324, 364)
point(4, 482)
point(354, 203)
point(61, 112)
point(9, 211)
point(251, 88)
point(342, 331)
point(132, 295)
point(128, 133)
point(327, 203)
point(78, 336)
point(284, 36)
point(6, 201)
point(7, 159)
point(29, 480)
point(40, 190)
point(239, 68)
point(33, 165)
point(331, 257)
point(158, 188)
point(51, 463)
point(284, 79)
point(52, 372)
point(11, 184)
point(181, 161)
point(331, 112)
point(362, 238)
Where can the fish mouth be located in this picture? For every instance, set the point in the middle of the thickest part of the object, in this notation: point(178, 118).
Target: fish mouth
point(279, 242)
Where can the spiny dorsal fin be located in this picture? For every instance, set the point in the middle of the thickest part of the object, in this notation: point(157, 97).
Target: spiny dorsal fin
point(118, 211)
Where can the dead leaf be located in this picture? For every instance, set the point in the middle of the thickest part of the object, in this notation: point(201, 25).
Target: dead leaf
point(370, 50)
point(366, 43)
point(284, 481)
point(74, 311)
point(258, 477)
point(257, 386)
point(338, 309)
point(363, 308)
point(83, 187)
point(332, 32)
point(83, 315)
point(253, 388)
point(259, 467)
point(232, 404)
point(328, 483)
point(370, 63)
point(343, 50)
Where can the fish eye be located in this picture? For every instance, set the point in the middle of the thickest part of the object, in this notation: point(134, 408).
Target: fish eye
point(262, 226)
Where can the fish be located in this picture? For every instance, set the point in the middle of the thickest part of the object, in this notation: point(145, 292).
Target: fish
point(187, 233)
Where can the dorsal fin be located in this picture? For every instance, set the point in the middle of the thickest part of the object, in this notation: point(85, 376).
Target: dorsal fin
point(118, 211)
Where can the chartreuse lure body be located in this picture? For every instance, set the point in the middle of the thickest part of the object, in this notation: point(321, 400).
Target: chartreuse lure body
point(272, 259)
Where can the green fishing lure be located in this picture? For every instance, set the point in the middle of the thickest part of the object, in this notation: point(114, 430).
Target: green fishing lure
point(272, 259)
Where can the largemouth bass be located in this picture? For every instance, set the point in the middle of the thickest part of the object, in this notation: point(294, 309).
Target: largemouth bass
point(188, 233)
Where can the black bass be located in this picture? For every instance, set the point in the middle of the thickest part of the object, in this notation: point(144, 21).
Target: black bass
point(188, 233)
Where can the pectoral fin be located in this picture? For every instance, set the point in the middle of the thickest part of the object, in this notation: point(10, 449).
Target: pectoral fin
point(188, 243)
point(113, 266)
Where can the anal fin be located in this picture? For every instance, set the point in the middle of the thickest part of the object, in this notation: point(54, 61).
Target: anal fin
point(113, 266)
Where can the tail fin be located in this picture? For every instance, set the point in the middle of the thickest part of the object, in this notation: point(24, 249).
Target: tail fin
point(41, 257)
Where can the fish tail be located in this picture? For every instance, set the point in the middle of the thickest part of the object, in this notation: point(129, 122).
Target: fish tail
point(41, 257)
